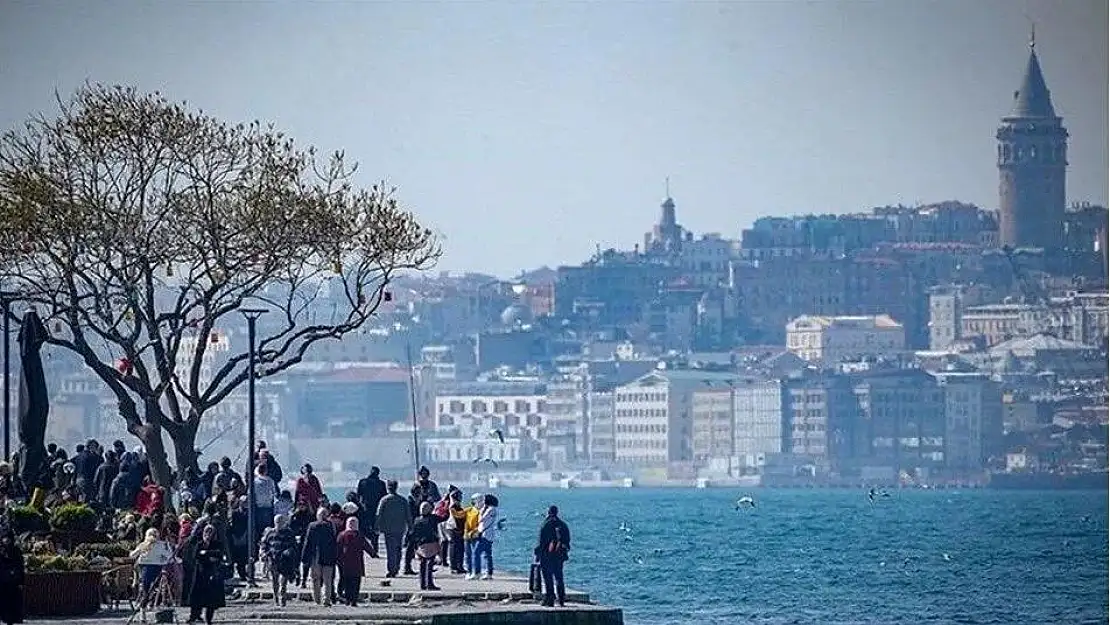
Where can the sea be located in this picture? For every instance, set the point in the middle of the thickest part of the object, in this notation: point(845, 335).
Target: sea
point(829, 556)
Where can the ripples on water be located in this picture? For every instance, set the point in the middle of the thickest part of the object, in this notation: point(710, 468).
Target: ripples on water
point(827, 556)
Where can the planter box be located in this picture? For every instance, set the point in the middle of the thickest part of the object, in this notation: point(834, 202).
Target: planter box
point(62, 593)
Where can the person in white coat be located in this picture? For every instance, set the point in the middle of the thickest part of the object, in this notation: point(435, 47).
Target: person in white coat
point(151, 557)
point(487, 533)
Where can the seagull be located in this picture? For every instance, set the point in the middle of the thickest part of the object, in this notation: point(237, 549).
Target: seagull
point(624, 527)
point(871, 496)
point(746, 500)
point(495, 433)
point(500, 525)
point(488, 460)
point(947, 558)
point(638, 560)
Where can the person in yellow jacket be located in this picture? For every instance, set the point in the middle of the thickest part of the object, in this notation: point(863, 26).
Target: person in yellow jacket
point(470, 532)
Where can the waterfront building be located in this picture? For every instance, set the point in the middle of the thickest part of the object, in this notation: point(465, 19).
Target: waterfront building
point(760, 416)
point(604, 376)
point(901, 424)
point(713, 427)
point(973, 419)
point(476, 408)
point(821, 418)
point(653, 418)
point(833, 339)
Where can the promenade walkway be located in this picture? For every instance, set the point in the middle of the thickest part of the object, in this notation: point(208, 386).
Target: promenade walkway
point(376, 588)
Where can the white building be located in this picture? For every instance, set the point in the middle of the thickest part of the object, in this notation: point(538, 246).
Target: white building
point(653, 418)
point(759, 405)
point(712, 415)
point(835, 339)
point(706, 260)
point(474, 451)
point(472, 408)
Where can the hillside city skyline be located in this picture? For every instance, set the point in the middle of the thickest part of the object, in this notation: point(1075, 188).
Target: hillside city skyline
point(559, 125)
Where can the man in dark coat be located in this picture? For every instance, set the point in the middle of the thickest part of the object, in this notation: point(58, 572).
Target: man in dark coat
point(423, 490)
point(207, 590)
point(370, 490)
point(393, 518)
point(273, 469)
point(551, 551)
point(320, 552)
point(105, 474)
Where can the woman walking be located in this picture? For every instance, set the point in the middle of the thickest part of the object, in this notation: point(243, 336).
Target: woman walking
point(208, 586)
point(352, 544)
point(487, 532)
point(281, 550)
point(425, 536)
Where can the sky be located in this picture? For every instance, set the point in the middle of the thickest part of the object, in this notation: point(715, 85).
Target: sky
point(527, 133)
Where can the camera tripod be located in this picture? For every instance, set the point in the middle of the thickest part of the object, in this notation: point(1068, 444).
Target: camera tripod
point(159, 597)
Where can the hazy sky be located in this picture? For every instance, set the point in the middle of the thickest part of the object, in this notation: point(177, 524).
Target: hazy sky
point(527, 133)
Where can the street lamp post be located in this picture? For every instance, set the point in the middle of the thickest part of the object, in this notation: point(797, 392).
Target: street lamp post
point(252, 315)
point(6, 302)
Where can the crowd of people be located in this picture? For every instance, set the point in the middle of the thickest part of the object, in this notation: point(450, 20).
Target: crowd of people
point(200, 541)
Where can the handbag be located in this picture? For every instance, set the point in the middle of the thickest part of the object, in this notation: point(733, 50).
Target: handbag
point(427, 551)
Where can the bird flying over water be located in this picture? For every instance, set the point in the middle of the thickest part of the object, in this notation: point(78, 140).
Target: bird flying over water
point(746, 500)
point(486, 460)
point(495, 433)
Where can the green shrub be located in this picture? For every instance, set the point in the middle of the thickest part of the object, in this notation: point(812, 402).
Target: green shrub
point(27, 519)
point(74, 518)
point(50, 564)
point(103, 550)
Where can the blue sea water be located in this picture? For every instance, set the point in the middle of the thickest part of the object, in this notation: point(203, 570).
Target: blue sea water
point(827, 556)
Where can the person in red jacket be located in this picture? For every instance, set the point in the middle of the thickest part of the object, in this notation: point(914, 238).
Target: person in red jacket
point(308, 489)
point(352, 544)
point(151, 498)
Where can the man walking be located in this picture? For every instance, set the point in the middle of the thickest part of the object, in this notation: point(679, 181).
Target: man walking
point(394, 518)
point(423, 490)
point(370, 490)
point(551, 552)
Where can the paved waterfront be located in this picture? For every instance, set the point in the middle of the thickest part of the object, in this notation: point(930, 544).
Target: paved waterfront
point(398, 601)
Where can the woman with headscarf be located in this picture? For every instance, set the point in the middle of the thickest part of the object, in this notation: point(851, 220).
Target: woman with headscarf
point(207, 593)
point(351, 545)
point(281, 550)
point(11, 579)
point(425, 537)
point(151, 556)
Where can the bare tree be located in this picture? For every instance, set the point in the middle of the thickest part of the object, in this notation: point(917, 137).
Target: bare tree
point(138, 228)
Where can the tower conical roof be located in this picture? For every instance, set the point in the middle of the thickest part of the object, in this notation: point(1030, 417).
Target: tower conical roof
point(1032, 98)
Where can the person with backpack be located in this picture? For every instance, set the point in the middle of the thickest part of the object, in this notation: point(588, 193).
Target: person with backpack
point(552, 552)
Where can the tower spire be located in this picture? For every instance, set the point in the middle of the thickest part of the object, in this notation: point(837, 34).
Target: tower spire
point(667, 185)
point(1032, 34)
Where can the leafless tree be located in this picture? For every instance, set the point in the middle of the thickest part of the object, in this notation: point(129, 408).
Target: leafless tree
point(138, 227)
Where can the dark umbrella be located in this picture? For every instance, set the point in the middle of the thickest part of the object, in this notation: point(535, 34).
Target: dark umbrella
point(34, 402)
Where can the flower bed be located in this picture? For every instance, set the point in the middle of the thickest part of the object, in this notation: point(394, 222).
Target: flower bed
point(62, 593)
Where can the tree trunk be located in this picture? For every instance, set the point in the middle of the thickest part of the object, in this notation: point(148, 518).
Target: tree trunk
point(151, 436)
point(185, 449)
